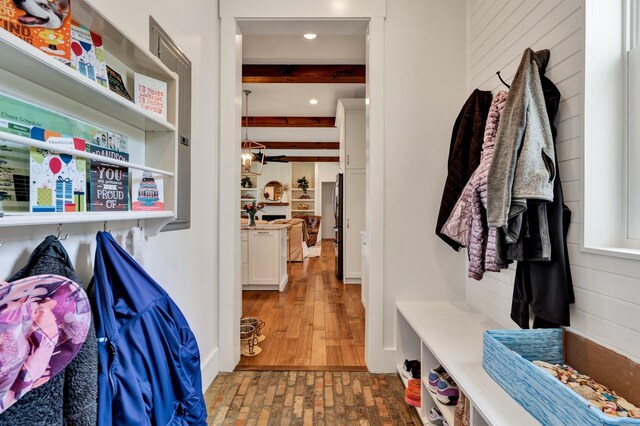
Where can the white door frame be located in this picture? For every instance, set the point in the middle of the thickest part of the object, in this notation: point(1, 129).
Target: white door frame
point(230, 287)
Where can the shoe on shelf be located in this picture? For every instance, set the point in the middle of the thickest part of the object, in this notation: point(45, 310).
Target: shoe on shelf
point(408, 368)
point(448, 391)
point(434, 378)
point(415, 370)
point(435, 416)
point(444, 423)
point(412, 393)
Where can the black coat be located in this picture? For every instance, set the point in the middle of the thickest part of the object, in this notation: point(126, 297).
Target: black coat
point(545, 286)
point(464, 155)
point(70, 397)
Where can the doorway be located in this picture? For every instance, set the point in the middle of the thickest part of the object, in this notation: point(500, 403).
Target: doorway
point(329, 221)
point(378, 358)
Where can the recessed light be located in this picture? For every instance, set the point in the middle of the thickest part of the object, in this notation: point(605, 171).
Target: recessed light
point(310, 36)
point(313, 101)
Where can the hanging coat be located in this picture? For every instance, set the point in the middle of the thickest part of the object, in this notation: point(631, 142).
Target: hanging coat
point(545, 286)
point(464, 155)
point(69, 398)
point(149, 361)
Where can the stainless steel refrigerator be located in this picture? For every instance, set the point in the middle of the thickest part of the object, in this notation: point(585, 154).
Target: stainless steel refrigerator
point(338, 211)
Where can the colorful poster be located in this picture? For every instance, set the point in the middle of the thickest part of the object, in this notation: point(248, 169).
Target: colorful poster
point(14, 170)
point(45, 24)
point(151, 95)
point(25, 113)
point(108, 184)
point(147, 191)
point(57, 181)
point(87, 55)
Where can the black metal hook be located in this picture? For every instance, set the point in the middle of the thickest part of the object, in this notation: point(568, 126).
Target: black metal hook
point(503, 82)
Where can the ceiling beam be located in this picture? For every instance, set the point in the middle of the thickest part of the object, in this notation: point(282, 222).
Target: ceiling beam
point(300, 145)
point(308, 159)
point(291, 121)
point(304, 74)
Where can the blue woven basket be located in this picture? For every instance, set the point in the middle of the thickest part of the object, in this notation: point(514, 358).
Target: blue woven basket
point(506, 358)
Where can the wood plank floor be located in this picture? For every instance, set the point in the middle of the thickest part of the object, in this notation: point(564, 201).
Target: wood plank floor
point(317, 323)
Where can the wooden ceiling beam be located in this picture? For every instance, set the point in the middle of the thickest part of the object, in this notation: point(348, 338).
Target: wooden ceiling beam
point(291, 121)
point(304, 74)
point(300, 145)
point(293, 159)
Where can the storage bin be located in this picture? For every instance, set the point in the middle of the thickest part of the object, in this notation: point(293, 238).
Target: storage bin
point(506, 358)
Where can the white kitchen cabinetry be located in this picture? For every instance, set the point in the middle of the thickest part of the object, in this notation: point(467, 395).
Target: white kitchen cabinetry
point(264, 258)
point(350, 120)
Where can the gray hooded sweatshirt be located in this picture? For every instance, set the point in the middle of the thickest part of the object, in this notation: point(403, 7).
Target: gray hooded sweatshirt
point(523, 160)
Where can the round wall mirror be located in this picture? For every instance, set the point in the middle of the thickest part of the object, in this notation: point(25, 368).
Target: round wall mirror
point(273, 191)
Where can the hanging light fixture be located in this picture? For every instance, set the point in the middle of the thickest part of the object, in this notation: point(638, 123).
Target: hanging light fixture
point(252, 153)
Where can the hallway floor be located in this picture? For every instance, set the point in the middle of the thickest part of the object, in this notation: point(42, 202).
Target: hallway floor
point(308, 398)
point(316, 323)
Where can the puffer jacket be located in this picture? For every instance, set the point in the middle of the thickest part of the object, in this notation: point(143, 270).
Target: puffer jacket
point(467, 224)
point(464, 155)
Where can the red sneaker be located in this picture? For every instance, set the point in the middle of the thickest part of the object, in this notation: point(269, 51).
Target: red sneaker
point(412, 393)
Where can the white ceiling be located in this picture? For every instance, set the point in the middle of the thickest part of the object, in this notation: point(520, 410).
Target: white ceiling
point(293, 99)
point(282, 42)
point(300, 27)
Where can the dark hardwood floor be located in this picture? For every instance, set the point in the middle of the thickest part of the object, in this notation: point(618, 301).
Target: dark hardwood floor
point(317, 323)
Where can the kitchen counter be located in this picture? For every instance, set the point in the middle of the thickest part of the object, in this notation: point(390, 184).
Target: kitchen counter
point(265, 227)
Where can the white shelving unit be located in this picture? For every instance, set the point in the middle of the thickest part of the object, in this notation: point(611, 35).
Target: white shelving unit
point(450, 334)
point(28, 73)
point(309, 202)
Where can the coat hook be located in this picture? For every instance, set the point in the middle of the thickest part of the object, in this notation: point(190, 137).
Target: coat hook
point(104, 228)
point(503, 82)
point(138, 224)
point(60, 237)
point(1, 243)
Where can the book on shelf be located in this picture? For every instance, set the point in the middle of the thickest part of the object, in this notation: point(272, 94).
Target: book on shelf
point(14, 170)
point(57, 181)
point(87, 54)
point(151, 94)
point(147, 191)
point(116, 84)
point(45, 25)
point(108, 184)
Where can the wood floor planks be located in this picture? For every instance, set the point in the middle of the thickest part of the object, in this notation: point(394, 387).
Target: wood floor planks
point(317, 322)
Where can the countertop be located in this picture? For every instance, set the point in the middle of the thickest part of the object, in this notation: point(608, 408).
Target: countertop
point(265, 227)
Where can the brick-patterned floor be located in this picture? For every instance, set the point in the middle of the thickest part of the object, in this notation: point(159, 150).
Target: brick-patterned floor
point(308, 398)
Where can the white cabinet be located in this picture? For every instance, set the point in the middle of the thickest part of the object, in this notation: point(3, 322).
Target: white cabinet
point(264, 258)
point(365, 268)
point(354, 223)
point(351, 121)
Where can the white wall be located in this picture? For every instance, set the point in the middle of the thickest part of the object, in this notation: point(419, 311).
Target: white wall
point(425, 89)
point(607, 289)
point(183, 262)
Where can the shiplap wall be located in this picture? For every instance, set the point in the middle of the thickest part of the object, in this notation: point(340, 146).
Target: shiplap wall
point(607, 289)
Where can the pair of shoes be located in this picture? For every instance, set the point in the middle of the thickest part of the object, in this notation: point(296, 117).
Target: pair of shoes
point(436, 417)
point(412, 393)
point(411, 369)
point(440, 383)
point(448, 391)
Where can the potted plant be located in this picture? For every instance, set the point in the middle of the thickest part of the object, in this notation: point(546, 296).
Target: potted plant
point(246, 182)
point(303, 184)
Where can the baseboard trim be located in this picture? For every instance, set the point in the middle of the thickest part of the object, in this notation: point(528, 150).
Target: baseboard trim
point(209, 368)
point(299, 368)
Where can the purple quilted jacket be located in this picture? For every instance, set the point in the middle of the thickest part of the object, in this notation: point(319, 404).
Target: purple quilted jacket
point(467, 223)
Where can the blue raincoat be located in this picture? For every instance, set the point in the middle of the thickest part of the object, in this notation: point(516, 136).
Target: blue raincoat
point(149, 362)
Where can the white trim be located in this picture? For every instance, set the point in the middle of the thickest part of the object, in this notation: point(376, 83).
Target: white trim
point(209, 368)
point(229, 253)
point(230, 301)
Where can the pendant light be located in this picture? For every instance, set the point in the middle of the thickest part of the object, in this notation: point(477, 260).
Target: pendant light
point(252, 153)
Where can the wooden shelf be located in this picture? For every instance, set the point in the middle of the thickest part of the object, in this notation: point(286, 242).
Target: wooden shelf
point(30, 63)
point(300, 189)
point(453, 334)
point(82, 154)
point(267, 203)
point(303, 199)
point(154, 220)
point(248, 189)
point(302, 211)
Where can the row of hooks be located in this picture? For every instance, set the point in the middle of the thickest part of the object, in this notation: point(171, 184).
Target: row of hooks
point(59, 237)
